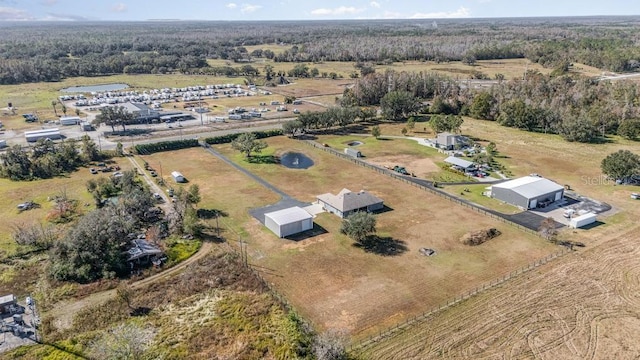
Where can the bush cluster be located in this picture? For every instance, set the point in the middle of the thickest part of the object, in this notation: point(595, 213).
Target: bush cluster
point(146, 149)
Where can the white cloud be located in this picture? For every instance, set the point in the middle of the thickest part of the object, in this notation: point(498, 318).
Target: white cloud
point(63, 17)
point(342, 10)
point(49, 2)
point(375, 4)
point(462, 12)
point(248, 8)
point(231, 5)
point(119, 7)
point(13, 14)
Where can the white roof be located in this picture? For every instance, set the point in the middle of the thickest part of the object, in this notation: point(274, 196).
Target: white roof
point(458, 162)
point(7, 299)
point(289, 215)
point(530, 186)
point(583, 217)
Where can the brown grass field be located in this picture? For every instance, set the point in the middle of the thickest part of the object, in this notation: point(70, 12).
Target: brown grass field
point(581, 306)
point(326, 278)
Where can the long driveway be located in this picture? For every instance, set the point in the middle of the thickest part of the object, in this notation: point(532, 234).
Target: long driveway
point(286, 200)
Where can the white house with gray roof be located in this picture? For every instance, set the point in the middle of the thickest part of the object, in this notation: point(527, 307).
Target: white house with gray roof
point(528, 192)
point(348, 202)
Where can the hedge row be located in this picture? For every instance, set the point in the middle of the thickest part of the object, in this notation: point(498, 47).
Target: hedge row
point(151, 148)
point(224, 139)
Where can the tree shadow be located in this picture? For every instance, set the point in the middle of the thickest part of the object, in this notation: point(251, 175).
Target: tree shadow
point(207, 214)
point(263, 159)
point(385, 246)
point(140, 311)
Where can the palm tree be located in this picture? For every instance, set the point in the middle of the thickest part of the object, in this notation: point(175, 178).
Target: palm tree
point(54, 103)
point(64, 109)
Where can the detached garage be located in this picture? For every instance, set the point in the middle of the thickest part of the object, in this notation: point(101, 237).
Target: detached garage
point(528, 192)
point(288, 221)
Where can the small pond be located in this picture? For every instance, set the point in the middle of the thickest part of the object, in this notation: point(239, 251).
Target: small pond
point(95, 88)
point(294, 160)
point(355, 143)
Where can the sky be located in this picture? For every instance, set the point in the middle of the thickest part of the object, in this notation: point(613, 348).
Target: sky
point(141, 10)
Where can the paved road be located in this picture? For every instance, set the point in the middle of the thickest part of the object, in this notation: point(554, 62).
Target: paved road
point(286, 201)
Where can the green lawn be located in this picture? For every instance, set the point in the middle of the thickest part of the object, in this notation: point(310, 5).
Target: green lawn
point(475, 195)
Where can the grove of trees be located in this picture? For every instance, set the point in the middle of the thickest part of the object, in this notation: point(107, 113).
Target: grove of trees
point(33, 52)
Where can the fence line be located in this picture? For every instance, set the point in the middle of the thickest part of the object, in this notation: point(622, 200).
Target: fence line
point(413, 321)
point(361, 345)
point(431, 190)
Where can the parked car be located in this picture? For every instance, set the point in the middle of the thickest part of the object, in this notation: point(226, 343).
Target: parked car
point(93, 171)
point(170, 192)
point(635, 196)
point(157, 196)
point(27, 205)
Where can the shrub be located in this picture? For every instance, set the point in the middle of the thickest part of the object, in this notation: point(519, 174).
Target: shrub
point(146, 149)
point(225, 139)
point(475, 238)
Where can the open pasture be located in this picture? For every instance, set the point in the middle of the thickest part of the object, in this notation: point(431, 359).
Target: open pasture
point(581, 306)
point(329, 280)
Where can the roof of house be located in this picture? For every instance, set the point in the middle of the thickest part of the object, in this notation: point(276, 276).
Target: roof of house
point(346, 200)
point(530, 186)
point(140, 248)
point(458, 162)
point(288, 215)
point(7, 299)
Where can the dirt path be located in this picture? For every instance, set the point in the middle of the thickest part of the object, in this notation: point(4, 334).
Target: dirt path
point(64, 312)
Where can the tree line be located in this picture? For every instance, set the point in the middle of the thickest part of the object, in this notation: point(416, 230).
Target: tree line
point(54, 51)
point(582, 110)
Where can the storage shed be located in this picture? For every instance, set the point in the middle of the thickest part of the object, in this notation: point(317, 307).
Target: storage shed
point(460, 164)
point(352, 152)
point(528, 192)
point(178, 177)
point(582, 220)
point(288, 221)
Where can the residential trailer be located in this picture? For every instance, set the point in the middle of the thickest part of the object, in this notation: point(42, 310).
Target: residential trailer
point(178, 177)
point(582, 220)
point(33, 136)
point(528, 192)
point(288, 221)
point(7, 303)
point(70, 120)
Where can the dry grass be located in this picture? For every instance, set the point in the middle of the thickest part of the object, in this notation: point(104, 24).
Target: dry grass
point(327, 279)
point(582, 306)
point(574, 308)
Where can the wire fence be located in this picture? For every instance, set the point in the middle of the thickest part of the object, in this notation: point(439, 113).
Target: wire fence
point(416, 320)
point(426, 188)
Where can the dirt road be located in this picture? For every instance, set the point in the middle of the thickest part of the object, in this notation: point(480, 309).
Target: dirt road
point(64, 312)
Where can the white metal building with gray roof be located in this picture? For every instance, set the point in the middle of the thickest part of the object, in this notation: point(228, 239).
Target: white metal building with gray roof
point(528, 192)
point(288, 221)
point(461, 163)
